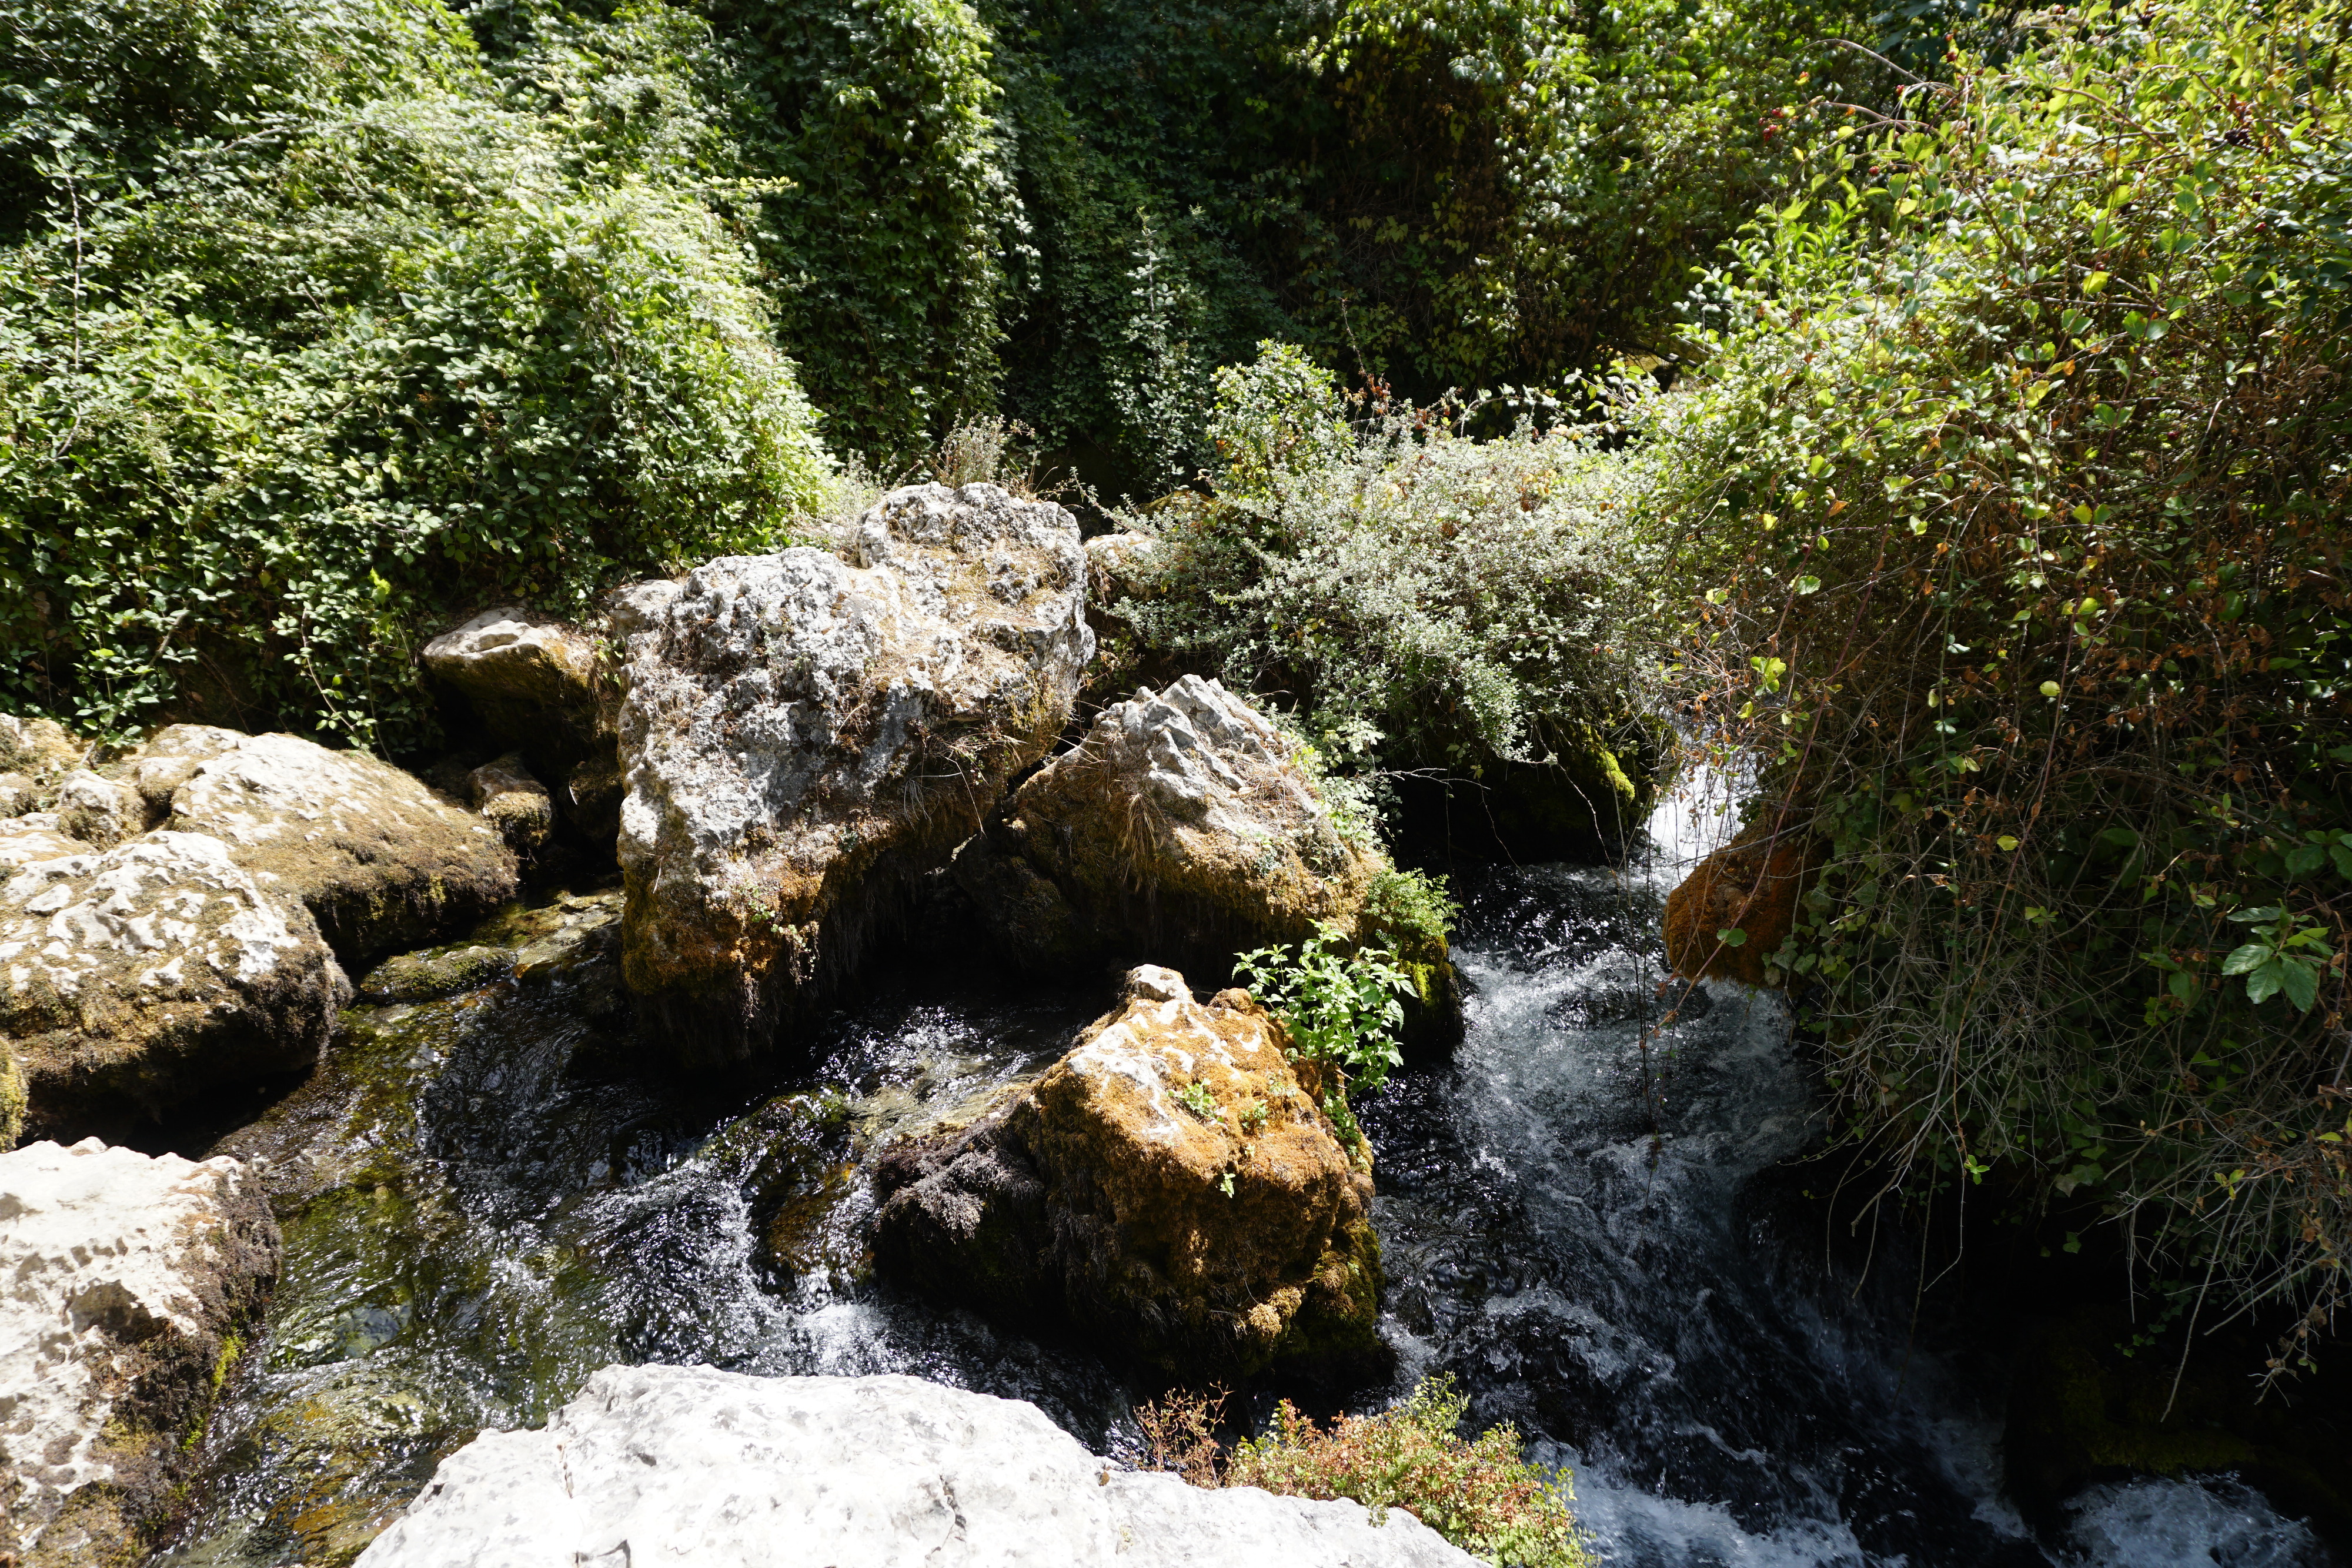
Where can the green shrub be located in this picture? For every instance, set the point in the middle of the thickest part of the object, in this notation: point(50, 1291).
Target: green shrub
point(2016, 468)
point(1342, 1009)
point(359, 351)
point(1426, 599)
point(1571, 168)
point(1480, 1493)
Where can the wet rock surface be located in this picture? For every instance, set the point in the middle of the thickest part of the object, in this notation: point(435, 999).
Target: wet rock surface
point(688, 1464)
point(134, 975)
point(1726, 919)
point(803, 734)
point(126, 1286)
point(1169, 1188)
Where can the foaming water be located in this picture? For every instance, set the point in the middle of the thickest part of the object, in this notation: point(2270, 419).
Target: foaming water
point(484, 1202)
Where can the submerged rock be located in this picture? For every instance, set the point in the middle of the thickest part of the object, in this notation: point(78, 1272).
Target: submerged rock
point(379, 860)
point(804, 735)
point(151, 970)
point(539, 685)
point(1171, 1187)
point(126, 1286)
point(688, 1464)
point(1748, 888)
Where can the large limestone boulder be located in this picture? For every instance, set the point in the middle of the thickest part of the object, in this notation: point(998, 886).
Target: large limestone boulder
point(134, 975)
point(687, 1464)
point(541, 685)
point(1171, 1187)
point(1180, 826)
point(381, 861)
point(1726, 919)
point(804, 734)
point(126, 1285)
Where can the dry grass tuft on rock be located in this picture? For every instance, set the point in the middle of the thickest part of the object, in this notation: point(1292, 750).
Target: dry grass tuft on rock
point(1480, 1493)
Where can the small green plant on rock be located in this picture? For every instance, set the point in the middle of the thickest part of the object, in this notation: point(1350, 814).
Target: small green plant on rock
point(1197, 1099)
point(1342, 1008)
point(1480, 1493)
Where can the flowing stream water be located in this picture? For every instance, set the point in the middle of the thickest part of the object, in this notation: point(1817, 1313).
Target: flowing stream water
point(486, 1197)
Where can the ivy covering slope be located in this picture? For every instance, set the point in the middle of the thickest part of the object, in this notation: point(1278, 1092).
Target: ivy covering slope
point(2018, 455)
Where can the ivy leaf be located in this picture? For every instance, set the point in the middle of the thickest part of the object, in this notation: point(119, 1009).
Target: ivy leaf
point(2304, 859)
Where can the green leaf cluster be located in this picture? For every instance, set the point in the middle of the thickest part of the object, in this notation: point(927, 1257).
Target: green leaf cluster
point(1342, 1008)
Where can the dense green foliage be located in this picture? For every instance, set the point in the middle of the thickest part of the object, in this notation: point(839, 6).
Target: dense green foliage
point(870, 126)
point(1342, 1009)
point(1480, 1493)
point(2015, 470)
point(1426, 599)
point(317, 334)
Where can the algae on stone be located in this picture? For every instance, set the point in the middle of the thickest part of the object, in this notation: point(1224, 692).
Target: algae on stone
point(1169, 1186)
point(157, 968)
point(380, 861)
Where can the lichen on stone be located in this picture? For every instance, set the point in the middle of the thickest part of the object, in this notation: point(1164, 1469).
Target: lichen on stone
point(1168, 1186)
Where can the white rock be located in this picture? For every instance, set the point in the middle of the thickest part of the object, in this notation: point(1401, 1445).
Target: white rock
point(122, 1280)
point(379, 860)
point(684, 1465)
point(101, 812)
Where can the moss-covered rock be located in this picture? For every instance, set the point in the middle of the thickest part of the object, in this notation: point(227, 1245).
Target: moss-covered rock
point(37, 749)
point(12, 1098)
point(806, 735)
point(508, 797)
point(135, 976)
point(1727, 918)
point(1168, 1186)
point(380, 861)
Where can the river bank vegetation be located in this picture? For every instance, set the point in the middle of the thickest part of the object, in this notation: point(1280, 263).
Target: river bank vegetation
point(1943, 417)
